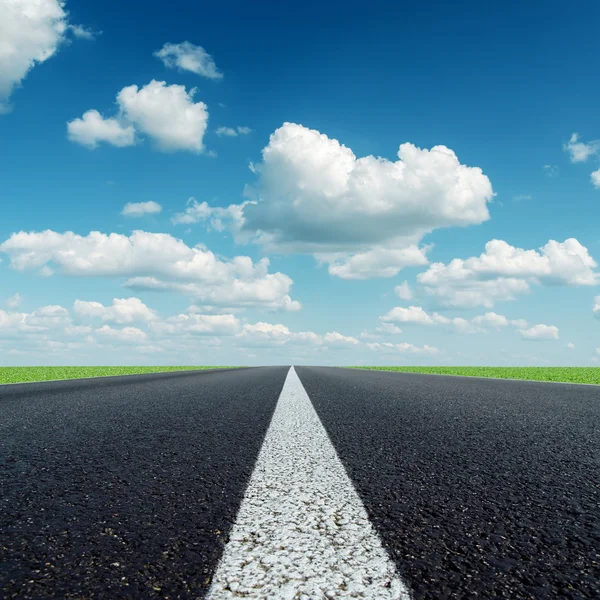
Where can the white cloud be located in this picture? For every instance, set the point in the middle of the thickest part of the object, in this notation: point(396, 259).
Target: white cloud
point(479, 324)
point(412, 314)
point(570, 345)
point(226, 131)
point(403, 291)
point(127, 335)
point(519, 323)
point(154, 261)
point(405, 348)
point(493, 319)
point(596, 307)
point(137, 209)
point(44, 319)
point(189, 57)
point(14, 301)
point(335, 338)
point(231, 132)
point(580, 151)
point(540, 332)
point(84, 33)
point(267, 292)
point(122, 310)
point(364, 217)
point(379, 262)
point(264, 334)
point(388, 328)
point(503, 271)
point(165, 113)
point(595, 177)
point(93, 129)
point(382, 346)
point(267, 334)
point(216, 217)
point(521, 197)
point(31, 32)
point(223, 324)
point(551, 170)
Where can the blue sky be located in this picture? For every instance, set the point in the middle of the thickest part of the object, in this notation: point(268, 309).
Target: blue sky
point(410, 184)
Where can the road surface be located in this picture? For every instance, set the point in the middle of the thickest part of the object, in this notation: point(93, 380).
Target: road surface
point(310, 482)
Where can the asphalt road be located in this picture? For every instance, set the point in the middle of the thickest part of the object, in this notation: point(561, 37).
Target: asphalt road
point(126, 487)
point(479, 488)
point(129, 487)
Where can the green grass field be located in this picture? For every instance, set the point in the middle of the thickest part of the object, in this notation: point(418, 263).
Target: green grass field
point(24, 374)
point(565, 374)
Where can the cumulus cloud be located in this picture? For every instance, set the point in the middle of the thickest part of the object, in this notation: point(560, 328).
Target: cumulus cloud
point(31, 32)
point(42, 320)
point(138, 209)
point(167, 114)
point(404, 291)
point(154, 261)
point(551, 170)
point(130, 324)
point(479, 324)
point(388, 328)
point(540, 332)
point(122, 310)
point(382, 346)
point(189, 57)
point(503, 271)
point(405, 348)
point(364, 217)
point(412, 314)
point(595, 177)
point(493, 319)
point(232, 132)
point(93, 129)
point(570, 345)
point(267, 334)
point(198, 324)
point(84, 33)
point(379, 262)
point(580, 151)
point(334, 338)
point(127, 335)
point(215, 217)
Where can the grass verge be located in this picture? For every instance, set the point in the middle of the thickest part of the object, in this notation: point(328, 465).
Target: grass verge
point(589, 375)
point(26, 374)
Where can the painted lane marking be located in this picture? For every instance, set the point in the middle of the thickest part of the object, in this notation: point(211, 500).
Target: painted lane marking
point(302, 531)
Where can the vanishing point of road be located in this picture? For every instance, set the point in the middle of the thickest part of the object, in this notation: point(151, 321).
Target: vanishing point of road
point(305, 482)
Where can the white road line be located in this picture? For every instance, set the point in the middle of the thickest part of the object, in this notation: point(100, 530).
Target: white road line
point(302, 531)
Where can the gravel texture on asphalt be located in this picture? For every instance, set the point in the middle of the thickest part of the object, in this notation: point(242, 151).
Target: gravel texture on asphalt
point(478, 488)
point(126, 487)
